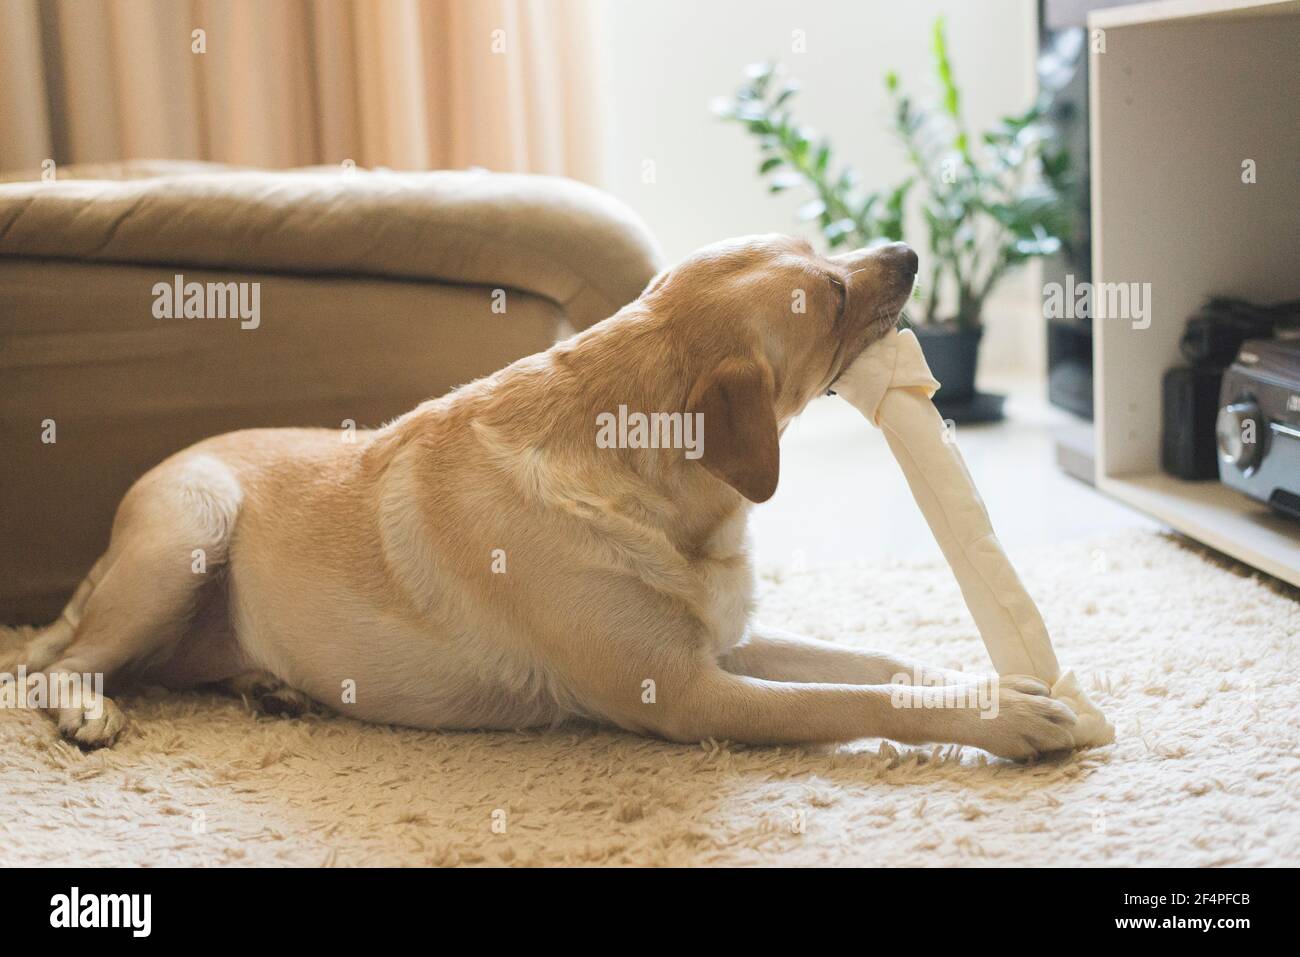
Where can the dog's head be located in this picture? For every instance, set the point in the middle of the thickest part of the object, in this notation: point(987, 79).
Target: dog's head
point(767, 325)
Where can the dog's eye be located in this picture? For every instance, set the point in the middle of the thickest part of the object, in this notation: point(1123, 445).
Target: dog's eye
point(841, 295)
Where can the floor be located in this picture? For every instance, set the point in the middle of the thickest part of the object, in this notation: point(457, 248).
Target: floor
point(1192, 659)
point(842, 498)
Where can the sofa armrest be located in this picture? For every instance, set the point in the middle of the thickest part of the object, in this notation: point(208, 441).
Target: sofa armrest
point(552, 237)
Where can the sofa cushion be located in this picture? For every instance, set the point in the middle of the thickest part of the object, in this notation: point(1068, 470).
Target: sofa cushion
point(548, 236)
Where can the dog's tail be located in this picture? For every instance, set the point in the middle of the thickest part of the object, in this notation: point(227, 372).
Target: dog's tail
point(36, 648)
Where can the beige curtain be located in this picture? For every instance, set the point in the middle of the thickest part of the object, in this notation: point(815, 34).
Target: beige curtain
point(408, 84)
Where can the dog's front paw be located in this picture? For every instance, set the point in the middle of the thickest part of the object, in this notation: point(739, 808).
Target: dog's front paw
point(94, 724)
point(1027, 724)
point(1025, 684)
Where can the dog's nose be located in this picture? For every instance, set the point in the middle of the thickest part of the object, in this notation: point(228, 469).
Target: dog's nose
point(904, 256)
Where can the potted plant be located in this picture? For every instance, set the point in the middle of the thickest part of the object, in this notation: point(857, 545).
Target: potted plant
point(987, 206)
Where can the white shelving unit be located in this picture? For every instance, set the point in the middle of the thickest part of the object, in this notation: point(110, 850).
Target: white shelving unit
point(1185, 92)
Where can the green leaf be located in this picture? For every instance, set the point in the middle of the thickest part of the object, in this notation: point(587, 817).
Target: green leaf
point(789, 90)
point(1040, 246)
point(811, 209)
point(847, 232)
point(1056, 164)
point(943, 66)
point(799, 145)
point(896, 198)
point(839, 229)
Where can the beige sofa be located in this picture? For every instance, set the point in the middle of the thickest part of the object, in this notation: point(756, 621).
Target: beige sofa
point(374, 291)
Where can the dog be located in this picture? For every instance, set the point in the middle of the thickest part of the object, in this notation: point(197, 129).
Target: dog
point(483, 562)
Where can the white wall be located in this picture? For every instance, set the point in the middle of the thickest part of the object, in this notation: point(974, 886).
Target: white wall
point(665, 60)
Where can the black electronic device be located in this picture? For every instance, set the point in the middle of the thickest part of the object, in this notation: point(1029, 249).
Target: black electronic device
point(1258, 427)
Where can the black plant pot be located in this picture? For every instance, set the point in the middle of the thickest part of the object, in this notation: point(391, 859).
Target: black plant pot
point(952, 354)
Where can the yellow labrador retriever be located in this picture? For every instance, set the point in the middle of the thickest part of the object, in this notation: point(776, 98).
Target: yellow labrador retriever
point(565, 538)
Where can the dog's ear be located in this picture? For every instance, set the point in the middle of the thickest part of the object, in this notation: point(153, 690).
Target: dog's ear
point(740, 441)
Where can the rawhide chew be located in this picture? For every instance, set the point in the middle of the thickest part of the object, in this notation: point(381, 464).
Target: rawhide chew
point(891, 385)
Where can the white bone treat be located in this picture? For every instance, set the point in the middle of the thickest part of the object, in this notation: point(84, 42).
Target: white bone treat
point(891, 385)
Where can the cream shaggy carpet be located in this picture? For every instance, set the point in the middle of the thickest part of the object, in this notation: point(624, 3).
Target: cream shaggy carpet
point(1194, 660)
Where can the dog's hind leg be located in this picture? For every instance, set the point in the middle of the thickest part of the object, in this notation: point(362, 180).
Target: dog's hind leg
point(172, 532)
point(271, 696)
point(47, 643)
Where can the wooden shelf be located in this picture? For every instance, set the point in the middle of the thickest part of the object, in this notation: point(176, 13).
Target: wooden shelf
point(1168, 11)
point(1184, 93)
point(1219, 516)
